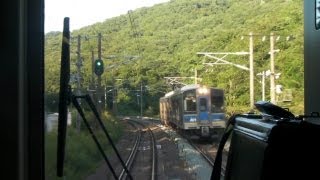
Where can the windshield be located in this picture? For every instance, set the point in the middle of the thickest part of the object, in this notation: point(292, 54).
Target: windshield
point(127, 55)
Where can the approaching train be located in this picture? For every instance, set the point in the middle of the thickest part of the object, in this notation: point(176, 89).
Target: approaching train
point(196, 110)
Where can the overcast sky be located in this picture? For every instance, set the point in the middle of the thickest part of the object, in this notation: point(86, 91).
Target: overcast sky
point(86, 12)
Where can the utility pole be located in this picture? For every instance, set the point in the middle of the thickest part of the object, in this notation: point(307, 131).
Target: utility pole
point(92, 86)
point(79, 64)
point(114, 95)
point(114, 88)
point(251, 71)
point(92, 70)
point(272, 75)
point(263, 83)
point(141, 100)
point(195, 75)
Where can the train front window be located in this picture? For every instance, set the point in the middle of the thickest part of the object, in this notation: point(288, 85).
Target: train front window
point(217, 101)
point(203, 104)
point(217, 104)
point(190, 104)
point(190, 101)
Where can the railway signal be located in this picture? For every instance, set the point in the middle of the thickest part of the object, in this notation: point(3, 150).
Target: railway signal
point(98, 67)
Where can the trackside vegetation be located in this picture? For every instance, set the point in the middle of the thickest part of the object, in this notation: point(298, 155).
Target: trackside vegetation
point(82, 156)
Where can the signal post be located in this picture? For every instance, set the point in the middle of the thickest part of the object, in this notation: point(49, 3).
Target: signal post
point(99, 69)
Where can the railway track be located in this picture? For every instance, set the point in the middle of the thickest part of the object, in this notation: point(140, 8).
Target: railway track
point(207, 150)
point(133, 152)
point(139, 138)
point(146, 146)
point(148, 152)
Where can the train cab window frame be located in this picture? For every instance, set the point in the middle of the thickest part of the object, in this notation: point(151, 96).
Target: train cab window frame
point(317, 14)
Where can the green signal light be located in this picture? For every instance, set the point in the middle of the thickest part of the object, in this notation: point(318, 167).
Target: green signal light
point(98, 67)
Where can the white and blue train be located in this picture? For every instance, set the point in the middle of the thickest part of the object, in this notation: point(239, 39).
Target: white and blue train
point(196, 110)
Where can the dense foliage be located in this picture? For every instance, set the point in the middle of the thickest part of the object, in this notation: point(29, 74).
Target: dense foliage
point(165, 38)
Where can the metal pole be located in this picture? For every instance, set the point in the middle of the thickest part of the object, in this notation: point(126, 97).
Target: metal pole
point(79, 63)
point(141, 100)
point(263, 76)
point(105, 95)
point(263, 85)
point(251, 71)
point(99, 77)
point(114, 99)
point(99, 46)
point(272, 78)
point(92, 69)
point(195, 75)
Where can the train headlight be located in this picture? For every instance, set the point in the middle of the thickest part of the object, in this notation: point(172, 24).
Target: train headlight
point(203, 90)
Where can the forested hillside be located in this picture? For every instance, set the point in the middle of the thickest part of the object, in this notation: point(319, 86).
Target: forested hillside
point(164, 40)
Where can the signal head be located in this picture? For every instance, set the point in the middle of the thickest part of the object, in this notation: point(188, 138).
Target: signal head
point(98, 67)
